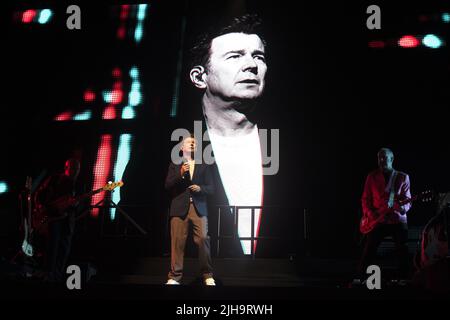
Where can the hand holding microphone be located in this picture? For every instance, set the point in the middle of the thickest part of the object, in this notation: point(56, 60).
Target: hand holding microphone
point(184, 169)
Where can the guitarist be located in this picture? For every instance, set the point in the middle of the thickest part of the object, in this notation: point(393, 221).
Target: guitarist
point(383, 210)
point(61, 218)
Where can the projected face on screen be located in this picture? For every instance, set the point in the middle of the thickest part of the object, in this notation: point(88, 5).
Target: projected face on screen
point(231, 72)
point(237, 67)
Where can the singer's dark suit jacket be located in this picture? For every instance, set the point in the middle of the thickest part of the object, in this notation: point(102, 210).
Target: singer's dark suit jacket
point(180, 194)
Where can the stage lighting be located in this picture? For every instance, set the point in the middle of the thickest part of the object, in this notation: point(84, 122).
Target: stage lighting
point(45, 16)
point(134, 97)
point(123, 156)
point(3, 187)
point(89, 96)
point(377, 44)
point(446, 17)
point(86, 115)
point(102, 169)
point(114, 96)
point(65, 116)
point(408, 41)
point(128, 113)
point(134, 73)
point(138, 32)
point(28, 16)
point(432, 41)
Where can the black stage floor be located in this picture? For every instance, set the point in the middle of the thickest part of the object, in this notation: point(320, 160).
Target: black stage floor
point(237, 279)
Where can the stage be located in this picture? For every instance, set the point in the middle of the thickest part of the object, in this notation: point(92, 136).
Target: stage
point(259, 280)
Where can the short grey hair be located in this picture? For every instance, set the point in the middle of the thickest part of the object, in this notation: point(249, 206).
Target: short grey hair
point(387, 151)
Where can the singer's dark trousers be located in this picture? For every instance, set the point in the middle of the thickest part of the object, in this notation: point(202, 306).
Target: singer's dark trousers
point(179, 228)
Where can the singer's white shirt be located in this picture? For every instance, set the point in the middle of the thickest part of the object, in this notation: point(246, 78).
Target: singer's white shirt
point(191, 167)
point(191, 172)
point(239, 161)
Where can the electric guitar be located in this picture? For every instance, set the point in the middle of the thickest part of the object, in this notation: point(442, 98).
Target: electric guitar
point(27, 248)
point(368, 223)
point(57, 209)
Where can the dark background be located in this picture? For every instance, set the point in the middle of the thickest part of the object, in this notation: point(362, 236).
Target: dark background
point(335, 101)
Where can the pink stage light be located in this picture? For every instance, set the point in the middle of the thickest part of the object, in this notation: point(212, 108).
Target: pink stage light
point(408, 41)
point(28, 16)
point(102, 170)
point(65, 116)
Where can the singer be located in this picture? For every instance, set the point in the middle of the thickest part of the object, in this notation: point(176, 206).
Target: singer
point(189, 185)
point(228, 65)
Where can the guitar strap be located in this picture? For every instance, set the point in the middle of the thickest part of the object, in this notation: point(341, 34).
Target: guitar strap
point(391, 187)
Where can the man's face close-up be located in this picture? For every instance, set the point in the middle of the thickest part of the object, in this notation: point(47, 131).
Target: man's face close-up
point(385, 160)
point(189, 145)
point(237, 67)
point(71, 169)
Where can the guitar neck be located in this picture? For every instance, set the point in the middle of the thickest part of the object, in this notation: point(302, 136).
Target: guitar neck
point(412, 199)
point(89, 194)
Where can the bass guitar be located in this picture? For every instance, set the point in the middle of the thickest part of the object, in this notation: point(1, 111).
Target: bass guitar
point(54, 211)
point(368, 223)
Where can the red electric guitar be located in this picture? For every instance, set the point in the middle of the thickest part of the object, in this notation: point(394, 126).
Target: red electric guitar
point(59, 206)
point(368, 223)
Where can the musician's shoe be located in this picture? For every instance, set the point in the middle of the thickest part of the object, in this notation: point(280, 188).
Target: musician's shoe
point(400, 282)
point(210, 281)
point(172, 282)
point(357, 283)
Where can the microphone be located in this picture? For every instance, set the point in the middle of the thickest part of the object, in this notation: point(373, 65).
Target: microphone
point(187, 174)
